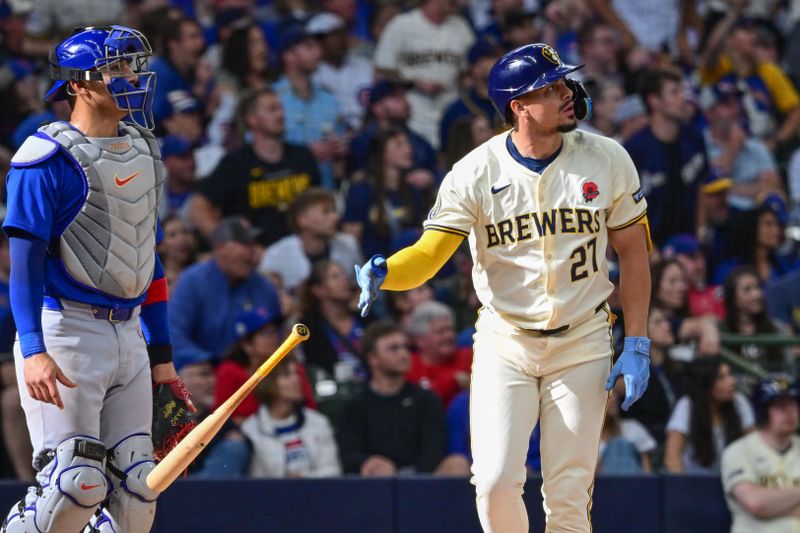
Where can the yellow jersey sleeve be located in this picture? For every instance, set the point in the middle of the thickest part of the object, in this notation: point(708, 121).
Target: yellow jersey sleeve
point(416, 264)
point(780, 87)
point(713, 75)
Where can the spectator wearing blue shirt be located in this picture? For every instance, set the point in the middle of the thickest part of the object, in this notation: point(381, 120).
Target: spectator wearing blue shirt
point(209, 295)
point(475, 100)
point(177, 69)
point(735, 153)
point(313, 117)
point(388, 108)
point(670, 156)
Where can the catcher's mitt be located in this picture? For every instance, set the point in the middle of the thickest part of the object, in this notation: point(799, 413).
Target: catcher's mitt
point(173, 416)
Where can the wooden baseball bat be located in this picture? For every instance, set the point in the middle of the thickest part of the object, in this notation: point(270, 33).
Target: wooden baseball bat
point(179, 458)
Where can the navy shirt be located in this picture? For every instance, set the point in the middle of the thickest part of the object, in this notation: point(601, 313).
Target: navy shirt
point(670, 175)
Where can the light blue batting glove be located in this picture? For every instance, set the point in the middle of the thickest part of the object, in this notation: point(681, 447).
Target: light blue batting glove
point(634, 367)
point(369, 278)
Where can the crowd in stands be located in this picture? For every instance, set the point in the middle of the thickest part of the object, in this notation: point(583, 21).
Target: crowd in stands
point(302, 136)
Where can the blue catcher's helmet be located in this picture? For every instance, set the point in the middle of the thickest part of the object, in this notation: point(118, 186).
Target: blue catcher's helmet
point(102, 54)
point(771, 387)
point(532, 67)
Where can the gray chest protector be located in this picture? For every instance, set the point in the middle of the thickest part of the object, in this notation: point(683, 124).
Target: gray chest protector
point(110, 244)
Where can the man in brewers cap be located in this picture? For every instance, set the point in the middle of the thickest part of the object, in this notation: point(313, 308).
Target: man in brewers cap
point(761, 471)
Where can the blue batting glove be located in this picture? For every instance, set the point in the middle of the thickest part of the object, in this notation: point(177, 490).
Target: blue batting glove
point(634, 366)
point(369, 278)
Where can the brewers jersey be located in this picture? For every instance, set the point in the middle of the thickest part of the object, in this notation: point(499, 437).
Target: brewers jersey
point(539, 241)
point(751, 460)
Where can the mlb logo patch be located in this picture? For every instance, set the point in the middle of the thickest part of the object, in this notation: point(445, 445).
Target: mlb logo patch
point(638, 195)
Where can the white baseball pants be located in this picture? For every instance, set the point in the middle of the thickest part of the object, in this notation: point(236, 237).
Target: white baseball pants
point(519, 377)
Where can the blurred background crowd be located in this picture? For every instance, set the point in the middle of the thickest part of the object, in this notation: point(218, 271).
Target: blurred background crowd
point(302, 136)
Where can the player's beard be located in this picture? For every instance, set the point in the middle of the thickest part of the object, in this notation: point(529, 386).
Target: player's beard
point(569, 126)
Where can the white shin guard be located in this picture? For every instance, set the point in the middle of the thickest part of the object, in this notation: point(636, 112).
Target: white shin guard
point(132, 505)
point(77, 484)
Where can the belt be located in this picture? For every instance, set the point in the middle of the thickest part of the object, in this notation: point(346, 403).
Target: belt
point(98, 311)
point(563, 328)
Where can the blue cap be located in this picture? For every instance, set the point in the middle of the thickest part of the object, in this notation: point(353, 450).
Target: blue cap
point(291, 37)
point(483, 47)
point(254, 319)
point(523, 70)
point(385, 88)
point(681, 244)
point(777, 204)
point(174, 145)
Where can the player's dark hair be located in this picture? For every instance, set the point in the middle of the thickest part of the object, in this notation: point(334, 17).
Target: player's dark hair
point(375, 332)
point(651, 82)
point(659, 270)
point(702, 375)
point(306, 199)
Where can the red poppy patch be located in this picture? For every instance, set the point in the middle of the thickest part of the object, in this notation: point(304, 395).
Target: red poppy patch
point(590, 191)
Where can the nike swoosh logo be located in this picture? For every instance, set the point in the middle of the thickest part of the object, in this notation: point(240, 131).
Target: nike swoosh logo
point(121, 182)
point(84, 486)
point(496, 190)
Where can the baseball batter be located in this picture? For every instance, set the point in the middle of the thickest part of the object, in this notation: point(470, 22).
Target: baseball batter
point(538, 204)
point(761, 471)
point(83, 199)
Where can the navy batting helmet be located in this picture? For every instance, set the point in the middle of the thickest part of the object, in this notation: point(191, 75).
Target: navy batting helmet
point(532, 67)
point(773, 386)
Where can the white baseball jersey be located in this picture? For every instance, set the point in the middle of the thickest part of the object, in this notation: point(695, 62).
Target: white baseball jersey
point(750, 460)
point(418, 49)
point(539, 241)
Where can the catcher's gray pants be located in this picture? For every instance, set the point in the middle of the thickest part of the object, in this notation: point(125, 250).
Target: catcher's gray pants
point(109, 363)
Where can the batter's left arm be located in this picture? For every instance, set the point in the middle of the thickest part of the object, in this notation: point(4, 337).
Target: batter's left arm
point(632, 249)
point(631, 244)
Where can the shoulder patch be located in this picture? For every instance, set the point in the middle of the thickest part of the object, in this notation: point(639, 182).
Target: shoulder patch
point(638, 195)
point(35, 149)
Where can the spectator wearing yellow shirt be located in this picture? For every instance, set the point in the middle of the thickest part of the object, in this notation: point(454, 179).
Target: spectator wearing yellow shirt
point(769, 98)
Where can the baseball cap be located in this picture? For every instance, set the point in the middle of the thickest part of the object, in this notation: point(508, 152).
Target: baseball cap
point(719, 92)
point(777, 204)
point(484, 47)
point(174, 145)
point(384, 88)
point(251, 320)
point(683, 244)
point(181, 101)
point(291, 37)
point(234, 228)
point(716, 182)
point(324, 23)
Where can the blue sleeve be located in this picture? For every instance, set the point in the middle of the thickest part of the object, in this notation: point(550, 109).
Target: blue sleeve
point(458, 426)
point(32, 200)
point(183, 310)
point(155, 324)
point(27, 291)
